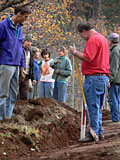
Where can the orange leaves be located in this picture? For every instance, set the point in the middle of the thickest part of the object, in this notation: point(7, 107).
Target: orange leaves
point(63, 38)
point(33, 18)
point(63, 23)
point(50, 21)
point(40, 36)
point(3, 17)
point(73, 17)
point(70, 34)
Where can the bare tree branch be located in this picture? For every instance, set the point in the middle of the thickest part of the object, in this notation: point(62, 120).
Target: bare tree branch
point(12, 3)
point(28, 3)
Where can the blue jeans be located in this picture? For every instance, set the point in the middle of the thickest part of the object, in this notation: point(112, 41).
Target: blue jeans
point(35, 90)
point(94, 88)
point(46, 89)
point(30, 95)
point(113, 99)
point(34, 93)
point(60, 91)
point(9, 87)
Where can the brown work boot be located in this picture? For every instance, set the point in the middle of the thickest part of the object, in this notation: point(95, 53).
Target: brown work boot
point(6, 120)
point(101, 137)
point(88, 138)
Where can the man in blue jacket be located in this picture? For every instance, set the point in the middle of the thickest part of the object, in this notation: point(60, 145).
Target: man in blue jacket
point(11, 57)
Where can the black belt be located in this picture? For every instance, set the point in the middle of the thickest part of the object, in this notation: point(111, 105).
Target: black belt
point(96, 74)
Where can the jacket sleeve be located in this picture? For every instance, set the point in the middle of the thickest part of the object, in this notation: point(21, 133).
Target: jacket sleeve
point(2, 32)
point(68, 69)
point(22, 62)
point(52, 63)
point(114, 65)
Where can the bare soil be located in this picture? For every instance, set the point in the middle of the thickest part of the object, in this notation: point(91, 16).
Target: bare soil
point(44, 129)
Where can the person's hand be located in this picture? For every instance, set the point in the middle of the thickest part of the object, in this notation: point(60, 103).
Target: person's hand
point(22, 74)
point(57, 61)
point(57, 71)
point(34, 82)
point(73, 50)
point(108, 84)
point(30, 87)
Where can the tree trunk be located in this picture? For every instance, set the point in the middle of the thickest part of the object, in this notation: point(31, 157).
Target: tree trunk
point(96, 8)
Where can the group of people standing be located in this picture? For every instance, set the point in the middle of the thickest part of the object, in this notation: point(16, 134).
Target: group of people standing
point(16, 57)
point(46, 77)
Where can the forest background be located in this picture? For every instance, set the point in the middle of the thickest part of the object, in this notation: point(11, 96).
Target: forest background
point(54, 23)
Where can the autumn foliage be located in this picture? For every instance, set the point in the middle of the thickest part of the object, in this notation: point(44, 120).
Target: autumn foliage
point(54, 22)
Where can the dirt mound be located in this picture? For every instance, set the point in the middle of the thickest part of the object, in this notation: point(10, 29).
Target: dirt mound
point(43, 111)
point(56, 123)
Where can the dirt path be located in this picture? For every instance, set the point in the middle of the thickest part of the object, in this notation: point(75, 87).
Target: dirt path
point(109, 149)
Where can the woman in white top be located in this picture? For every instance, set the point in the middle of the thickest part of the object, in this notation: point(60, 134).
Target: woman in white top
point(46, 82)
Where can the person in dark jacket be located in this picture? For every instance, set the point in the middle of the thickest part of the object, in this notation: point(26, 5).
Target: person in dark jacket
point(11, 56)
point(28, 71)
point(37, 62)
point(114, 81)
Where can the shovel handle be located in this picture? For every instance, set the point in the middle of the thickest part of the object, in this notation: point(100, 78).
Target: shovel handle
point(55, 84)
point(81, 86)
point(79, 77)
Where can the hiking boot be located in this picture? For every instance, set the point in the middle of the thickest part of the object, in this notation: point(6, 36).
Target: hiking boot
point(1, 121)
point(101, 137)
point(116, 122)
point(6, 120)
point(88, 138)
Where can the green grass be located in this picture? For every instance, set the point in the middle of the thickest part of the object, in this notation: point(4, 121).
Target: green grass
point(22, 129)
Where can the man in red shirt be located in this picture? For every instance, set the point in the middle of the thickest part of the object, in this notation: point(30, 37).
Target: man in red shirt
point(95, 67)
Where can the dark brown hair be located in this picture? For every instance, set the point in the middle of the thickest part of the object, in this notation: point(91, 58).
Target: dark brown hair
point(45, 51)
point(63, 49)
point(34, 49)
point(22, 10)
point(84, 26)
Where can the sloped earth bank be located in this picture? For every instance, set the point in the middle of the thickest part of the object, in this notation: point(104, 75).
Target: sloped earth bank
point(45, 129)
